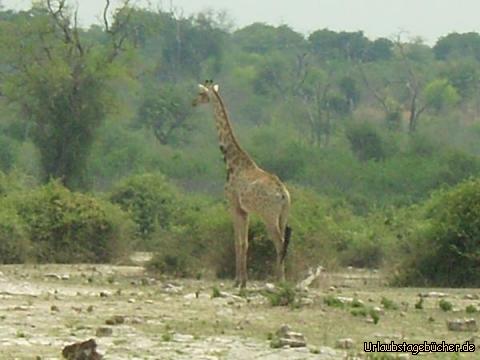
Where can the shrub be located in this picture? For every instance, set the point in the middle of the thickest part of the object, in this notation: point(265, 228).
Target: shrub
point(15, 245)
point(471, 309)
point(284, 295)
point(388, 304)
point(374, 315)
point(7, 155)
point(64, 226)
point(11, 182)
point(419, 304)
point(366, 142)
point(445, 305)
point(445, 250)
point(177, 263)
point(149, 198)
point(216, 292)
point(333, 301)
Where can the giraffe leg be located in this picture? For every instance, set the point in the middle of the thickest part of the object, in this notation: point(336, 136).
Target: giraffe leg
point(240, 224)
point(274, 231)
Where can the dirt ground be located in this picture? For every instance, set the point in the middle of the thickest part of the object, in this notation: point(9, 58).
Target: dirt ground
point(134, 316)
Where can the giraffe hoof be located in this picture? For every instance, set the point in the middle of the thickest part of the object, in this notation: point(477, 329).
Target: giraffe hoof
point(240, 284)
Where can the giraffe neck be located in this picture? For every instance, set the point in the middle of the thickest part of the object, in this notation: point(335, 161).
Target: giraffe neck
point(235, 157)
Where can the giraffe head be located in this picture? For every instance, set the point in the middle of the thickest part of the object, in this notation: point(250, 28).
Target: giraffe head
point(204, 92)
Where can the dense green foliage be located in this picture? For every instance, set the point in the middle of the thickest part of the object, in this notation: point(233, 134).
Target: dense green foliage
point(447, 247)
point(149, 199)
point(52, 224)
point(363, 131)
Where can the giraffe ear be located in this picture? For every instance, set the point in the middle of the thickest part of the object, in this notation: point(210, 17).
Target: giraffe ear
point(202, 87)
point(215, 87)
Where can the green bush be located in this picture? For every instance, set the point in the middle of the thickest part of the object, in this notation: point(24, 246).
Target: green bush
point(284, 295)
point(11, 182)
point(445, 305)
point(178, 263)
point(15, 245)
point(66, 227)
point(150, 199)
point(7, 155)
point(445, 250)
point(366, 142)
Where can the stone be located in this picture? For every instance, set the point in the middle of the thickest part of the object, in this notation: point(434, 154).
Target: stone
point(54, 308)
point(136, 320)
point(105, 294)
point(53, 276)
point(379, 310)
point(471, 297)
point(190, 296)
point(86, 350)
point(286, 337)
point(433, 294)
point(305, 301)
point(115, 320)
point(269, 287)
point(462, 325)
point(182, 338)
point(172, 289)
point(345, 343)
point(104, 331)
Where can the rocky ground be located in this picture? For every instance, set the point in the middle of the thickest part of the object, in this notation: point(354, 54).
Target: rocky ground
point(131, 315)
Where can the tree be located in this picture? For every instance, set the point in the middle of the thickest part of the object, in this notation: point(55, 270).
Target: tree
point(343, 45)
point(323, 103)
point(379, 50)
point(61, 83)
point(165, 111)
point(262, 38)
point(459, 46)
point(381, 94)
point(439, 93)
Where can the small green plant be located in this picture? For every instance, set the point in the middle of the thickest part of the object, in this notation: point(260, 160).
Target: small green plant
point(419, 304)
point(216, 292)
point(389, 304)
point(284, 296)
point(359, 312)
point(167, 336)
point(445, 305)
point(357, 304)
point(471, 309)
point(333, 301)
point(275, 343)
point(374, 315)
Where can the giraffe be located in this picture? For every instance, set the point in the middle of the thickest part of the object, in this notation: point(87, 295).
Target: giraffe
point(248, 189)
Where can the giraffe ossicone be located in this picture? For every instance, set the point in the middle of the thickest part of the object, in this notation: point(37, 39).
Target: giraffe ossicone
point(248, 189)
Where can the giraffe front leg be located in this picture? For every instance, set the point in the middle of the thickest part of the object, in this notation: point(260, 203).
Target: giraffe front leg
point(240, 223)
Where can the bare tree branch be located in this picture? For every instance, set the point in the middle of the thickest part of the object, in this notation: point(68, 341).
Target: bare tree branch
point(116, 32)
point(382, 99)
point(105, 16)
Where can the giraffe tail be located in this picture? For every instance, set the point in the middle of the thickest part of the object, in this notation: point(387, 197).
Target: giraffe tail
point(286, 241)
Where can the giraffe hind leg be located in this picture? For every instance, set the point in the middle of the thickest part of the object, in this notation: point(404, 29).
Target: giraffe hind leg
point(277, 238)
point(286, 240)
